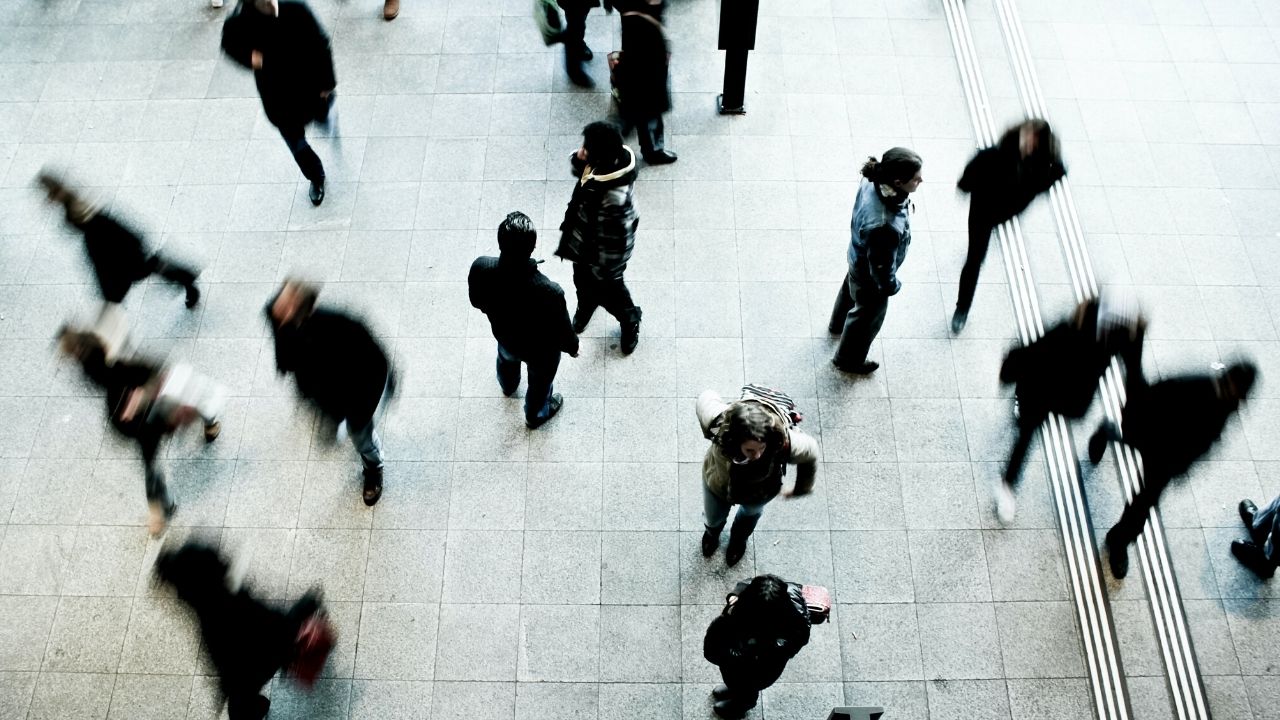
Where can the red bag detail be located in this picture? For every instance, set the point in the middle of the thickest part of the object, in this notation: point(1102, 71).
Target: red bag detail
point(818, 600)
point(316, 639)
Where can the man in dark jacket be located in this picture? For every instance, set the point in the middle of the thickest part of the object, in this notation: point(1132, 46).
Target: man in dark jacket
point(1059, 373)
point(117, 253)
point(527, 313)
point(763, 625)
point(1259, 552)
point(288, 51)
point(1173, 423)
point(338, 366)
point(599, 230)
point(642, 76)
point(576, 52)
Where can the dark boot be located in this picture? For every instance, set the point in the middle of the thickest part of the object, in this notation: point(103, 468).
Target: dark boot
point(721, 692)
point(1117, 556)
point(1252, 557)
point(743, 526)
point(1247, 513)
point(581, 317)
point(372, 485)
point(711, 540)
point(631, 332)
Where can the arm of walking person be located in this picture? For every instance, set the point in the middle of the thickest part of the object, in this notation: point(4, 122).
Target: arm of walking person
point(569, 342)
point(882, 249)
point(804, 455)
point(709, 407)
point(321, 53)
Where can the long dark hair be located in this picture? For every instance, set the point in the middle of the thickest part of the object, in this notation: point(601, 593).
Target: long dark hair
point(764, 599)
point(745, 421)
point(896, 165)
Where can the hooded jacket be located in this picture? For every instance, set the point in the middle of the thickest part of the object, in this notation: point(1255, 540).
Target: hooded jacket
point(297, 63)
point(599, 227)
point(753, 486)
point(526, 309)
point(752, 657)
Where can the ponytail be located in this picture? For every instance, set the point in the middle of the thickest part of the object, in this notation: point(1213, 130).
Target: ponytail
point(897, 164)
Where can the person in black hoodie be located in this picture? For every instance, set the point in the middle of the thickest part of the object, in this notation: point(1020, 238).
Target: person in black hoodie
point(528, 315)
point(1059, 373)
point(338, 366)
point(1173, 423)
point(288, 51)
point(598, 233)
point(248, 641)
point(764, 624)
point(1002, 180)
point(644, 83)
point(117, 253)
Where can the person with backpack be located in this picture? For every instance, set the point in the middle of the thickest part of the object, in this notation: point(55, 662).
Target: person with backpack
point(753, 439)
point(765, 622)
point(642, 77)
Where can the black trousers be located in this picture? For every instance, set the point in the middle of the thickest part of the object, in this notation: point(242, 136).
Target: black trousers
point(1028, 423)
point(308, 162)
point(575, 33)
point(157, 490)
point(858, 316)
point(981, 223)
point(651, 134)
point(607, 290)
point(1155, 478)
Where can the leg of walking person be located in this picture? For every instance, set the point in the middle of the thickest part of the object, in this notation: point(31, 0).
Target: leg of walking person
point(584, 285)
point(540, 400)
point(176, 274)
point(744, 524)
point(844, 303)
point(715, 511)
point(861, 325)
point(1134, 519)
point(367, 443)
point(576, 51)
point(308, 162)
point(980, 227)
point(159, 504)
point(652, 137)
point(1028, 423)
point(616, 300)
point(508, 370)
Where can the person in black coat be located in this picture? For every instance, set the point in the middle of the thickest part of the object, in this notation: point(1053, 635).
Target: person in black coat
point(1059, 373)
point(338, 366)
point(288, 51)
point(764, 624)
point(528, 316)
point(248, 641)
point(117, 253)
point(1002, 180)
point(644, 84)
point(1173, 423)
point(576, 52)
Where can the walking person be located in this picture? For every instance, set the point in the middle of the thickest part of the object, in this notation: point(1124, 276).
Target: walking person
point(760, 629)
point(1173, 423)
point(289, 53)
point(147, 403)
point(528, 316)
point(117, 253)
point(1059, 373)
point(1002, 180)
point(576, 52)
point(752, 442)
point(338, 366)
point(1259, 552)
point(880, 235)
point(642, 77)
point(598, 233)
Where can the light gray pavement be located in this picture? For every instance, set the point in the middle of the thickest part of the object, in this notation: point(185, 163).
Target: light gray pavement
point(555, 574)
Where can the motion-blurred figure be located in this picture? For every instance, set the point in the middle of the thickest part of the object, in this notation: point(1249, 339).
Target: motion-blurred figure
point(147, 403)
point(1172, 423)
point(642, 77)
point(528, 316)
point(1059, 372)
point(338, 366)
point(1002, 180)
point(1259, 552)
point(118, 255)
point(763, 625)
point(880, 235)
point(598, 233)
point(574, 37)
point(288, 51)
point(248, 641)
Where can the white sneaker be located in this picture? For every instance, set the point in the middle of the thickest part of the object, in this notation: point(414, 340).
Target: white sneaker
point(340, 435)
point(156, 520)
point(1006, 506)
point(215, 3)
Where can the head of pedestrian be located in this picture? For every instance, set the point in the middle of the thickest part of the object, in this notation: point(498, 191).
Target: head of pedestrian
point(1034, 138)
point(516, 238)
point(77, 343)
point(294, 303)
point(761, 603)
point(602, 145)
point(58, 190)
point(1235, 382)
point(897, 173)
point(749, 433)
point(270, 8)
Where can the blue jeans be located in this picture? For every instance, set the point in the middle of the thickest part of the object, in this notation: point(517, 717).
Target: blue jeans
point(542, 373)
point(367, 443)
point(716, 509)
point(1266, 522)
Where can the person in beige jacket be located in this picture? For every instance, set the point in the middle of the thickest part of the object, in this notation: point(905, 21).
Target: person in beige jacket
point(752, 442)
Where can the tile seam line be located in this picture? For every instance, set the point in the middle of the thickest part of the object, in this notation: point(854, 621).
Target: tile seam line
point(1096, 631)
point(1168, 612)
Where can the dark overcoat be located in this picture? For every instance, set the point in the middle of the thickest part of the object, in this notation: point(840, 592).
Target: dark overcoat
point(297, 63)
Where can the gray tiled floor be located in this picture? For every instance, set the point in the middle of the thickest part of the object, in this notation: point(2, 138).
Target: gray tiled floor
point(555, 574)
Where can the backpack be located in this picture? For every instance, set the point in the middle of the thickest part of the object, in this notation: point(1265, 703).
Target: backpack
point(316, 638)
point(777, 400)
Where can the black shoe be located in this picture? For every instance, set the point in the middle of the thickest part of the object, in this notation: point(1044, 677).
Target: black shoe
point(866, 367)
point(1098, 445)
point(557, 401)
point(1117, 557)
point(630, 337)
point(734, 552)
point(1251, 556)
point(193, 296)
point(835, 330)
point(586, 54)
point(372, 485)
point(710, 542)
point(661, 157)
point(581, 319)
point(730, 709)
point(316, 193)
point(578, 76)
point(1247, 512)
point(958, 319)
point(721, 692)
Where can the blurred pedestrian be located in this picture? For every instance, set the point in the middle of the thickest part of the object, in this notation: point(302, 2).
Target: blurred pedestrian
point(248, 641)
point(528, 316)
point(1173, 423)
point(1059, 373)
point(288, 51)
point(1259, 552)
point(763, 625)
point(118, 255)
point(338, 366)
point(752, 442)
point(576, 52)
point(598, 233)
point(880, 235)
point(147, 403)
point(1002, 180)
point(642, 78)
